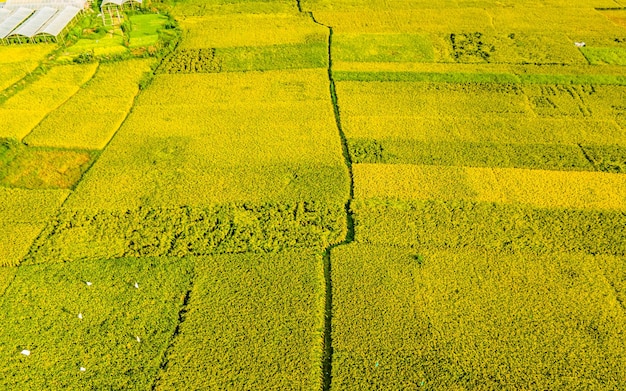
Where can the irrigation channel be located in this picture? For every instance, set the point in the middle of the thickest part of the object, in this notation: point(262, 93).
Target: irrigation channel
point(327, 358)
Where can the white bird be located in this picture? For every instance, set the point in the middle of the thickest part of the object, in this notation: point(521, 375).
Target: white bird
point(88, 283)
point(138, 339)
point(80, 315)
point(25, 352)
point(83, 369)
point(136, 285)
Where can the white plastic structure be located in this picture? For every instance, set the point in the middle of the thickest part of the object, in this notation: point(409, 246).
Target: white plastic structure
point(4, 14)
point(56, 25)
point(39, 4)
point(29, 28)
point(13, 21)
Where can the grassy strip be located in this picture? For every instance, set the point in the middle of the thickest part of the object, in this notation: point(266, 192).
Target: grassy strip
point(41, 314)
point(254, 321)
point(479, 78)
point(474, 320)
point(513, 228)
point(472, 154)
point(229, 228)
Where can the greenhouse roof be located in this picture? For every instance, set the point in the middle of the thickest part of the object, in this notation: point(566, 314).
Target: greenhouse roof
point(14, 20)
point(35, 23)
point(60, 21)
point(39, 4)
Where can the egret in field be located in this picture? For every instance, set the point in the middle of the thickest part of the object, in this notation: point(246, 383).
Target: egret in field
point(83, 369)
point(88, 283)
point(80, 315)
point(25, 352)
point(136, 285)
point(138, 339)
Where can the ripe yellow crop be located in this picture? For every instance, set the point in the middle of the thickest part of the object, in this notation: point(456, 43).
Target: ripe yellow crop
point(254, 321)
point(89, 119)
point(407, 318)
point(23, 214)
point(23, 111)
point(539, 188)
point(249, 30)
point(17, 61)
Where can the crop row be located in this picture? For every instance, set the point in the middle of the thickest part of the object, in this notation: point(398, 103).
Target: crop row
point(23, 111)
point(406, 318)
point(89, 119)
point(17, 61)
point(456, 224)
point(565, 157)
point(229, 228)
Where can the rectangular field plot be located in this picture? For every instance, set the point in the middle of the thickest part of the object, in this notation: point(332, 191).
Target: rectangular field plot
point(89, 119)
point(23, 111)
point(458, 224)
point(407, 319)
point(232, 30)
point(497, 113)
point(253, 322)
point(255, 137)
point(563, 157)
point(538, 188)
point(195, 8)
point(118, 333)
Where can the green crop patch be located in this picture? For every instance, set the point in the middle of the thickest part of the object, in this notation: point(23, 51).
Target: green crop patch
point(99, 325)
point(230, 228)
point(609, 55)
point(235, 59)
point(473, 154)
point(253, 322)
point(382, 48)
point(145, 29)
point(191, 61)
point(500, 227)
point(410, 319)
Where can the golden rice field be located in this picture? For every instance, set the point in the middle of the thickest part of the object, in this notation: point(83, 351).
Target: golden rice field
point(318, 195)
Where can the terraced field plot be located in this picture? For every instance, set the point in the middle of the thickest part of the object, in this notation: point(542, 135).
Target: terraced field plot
point(321, 194)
